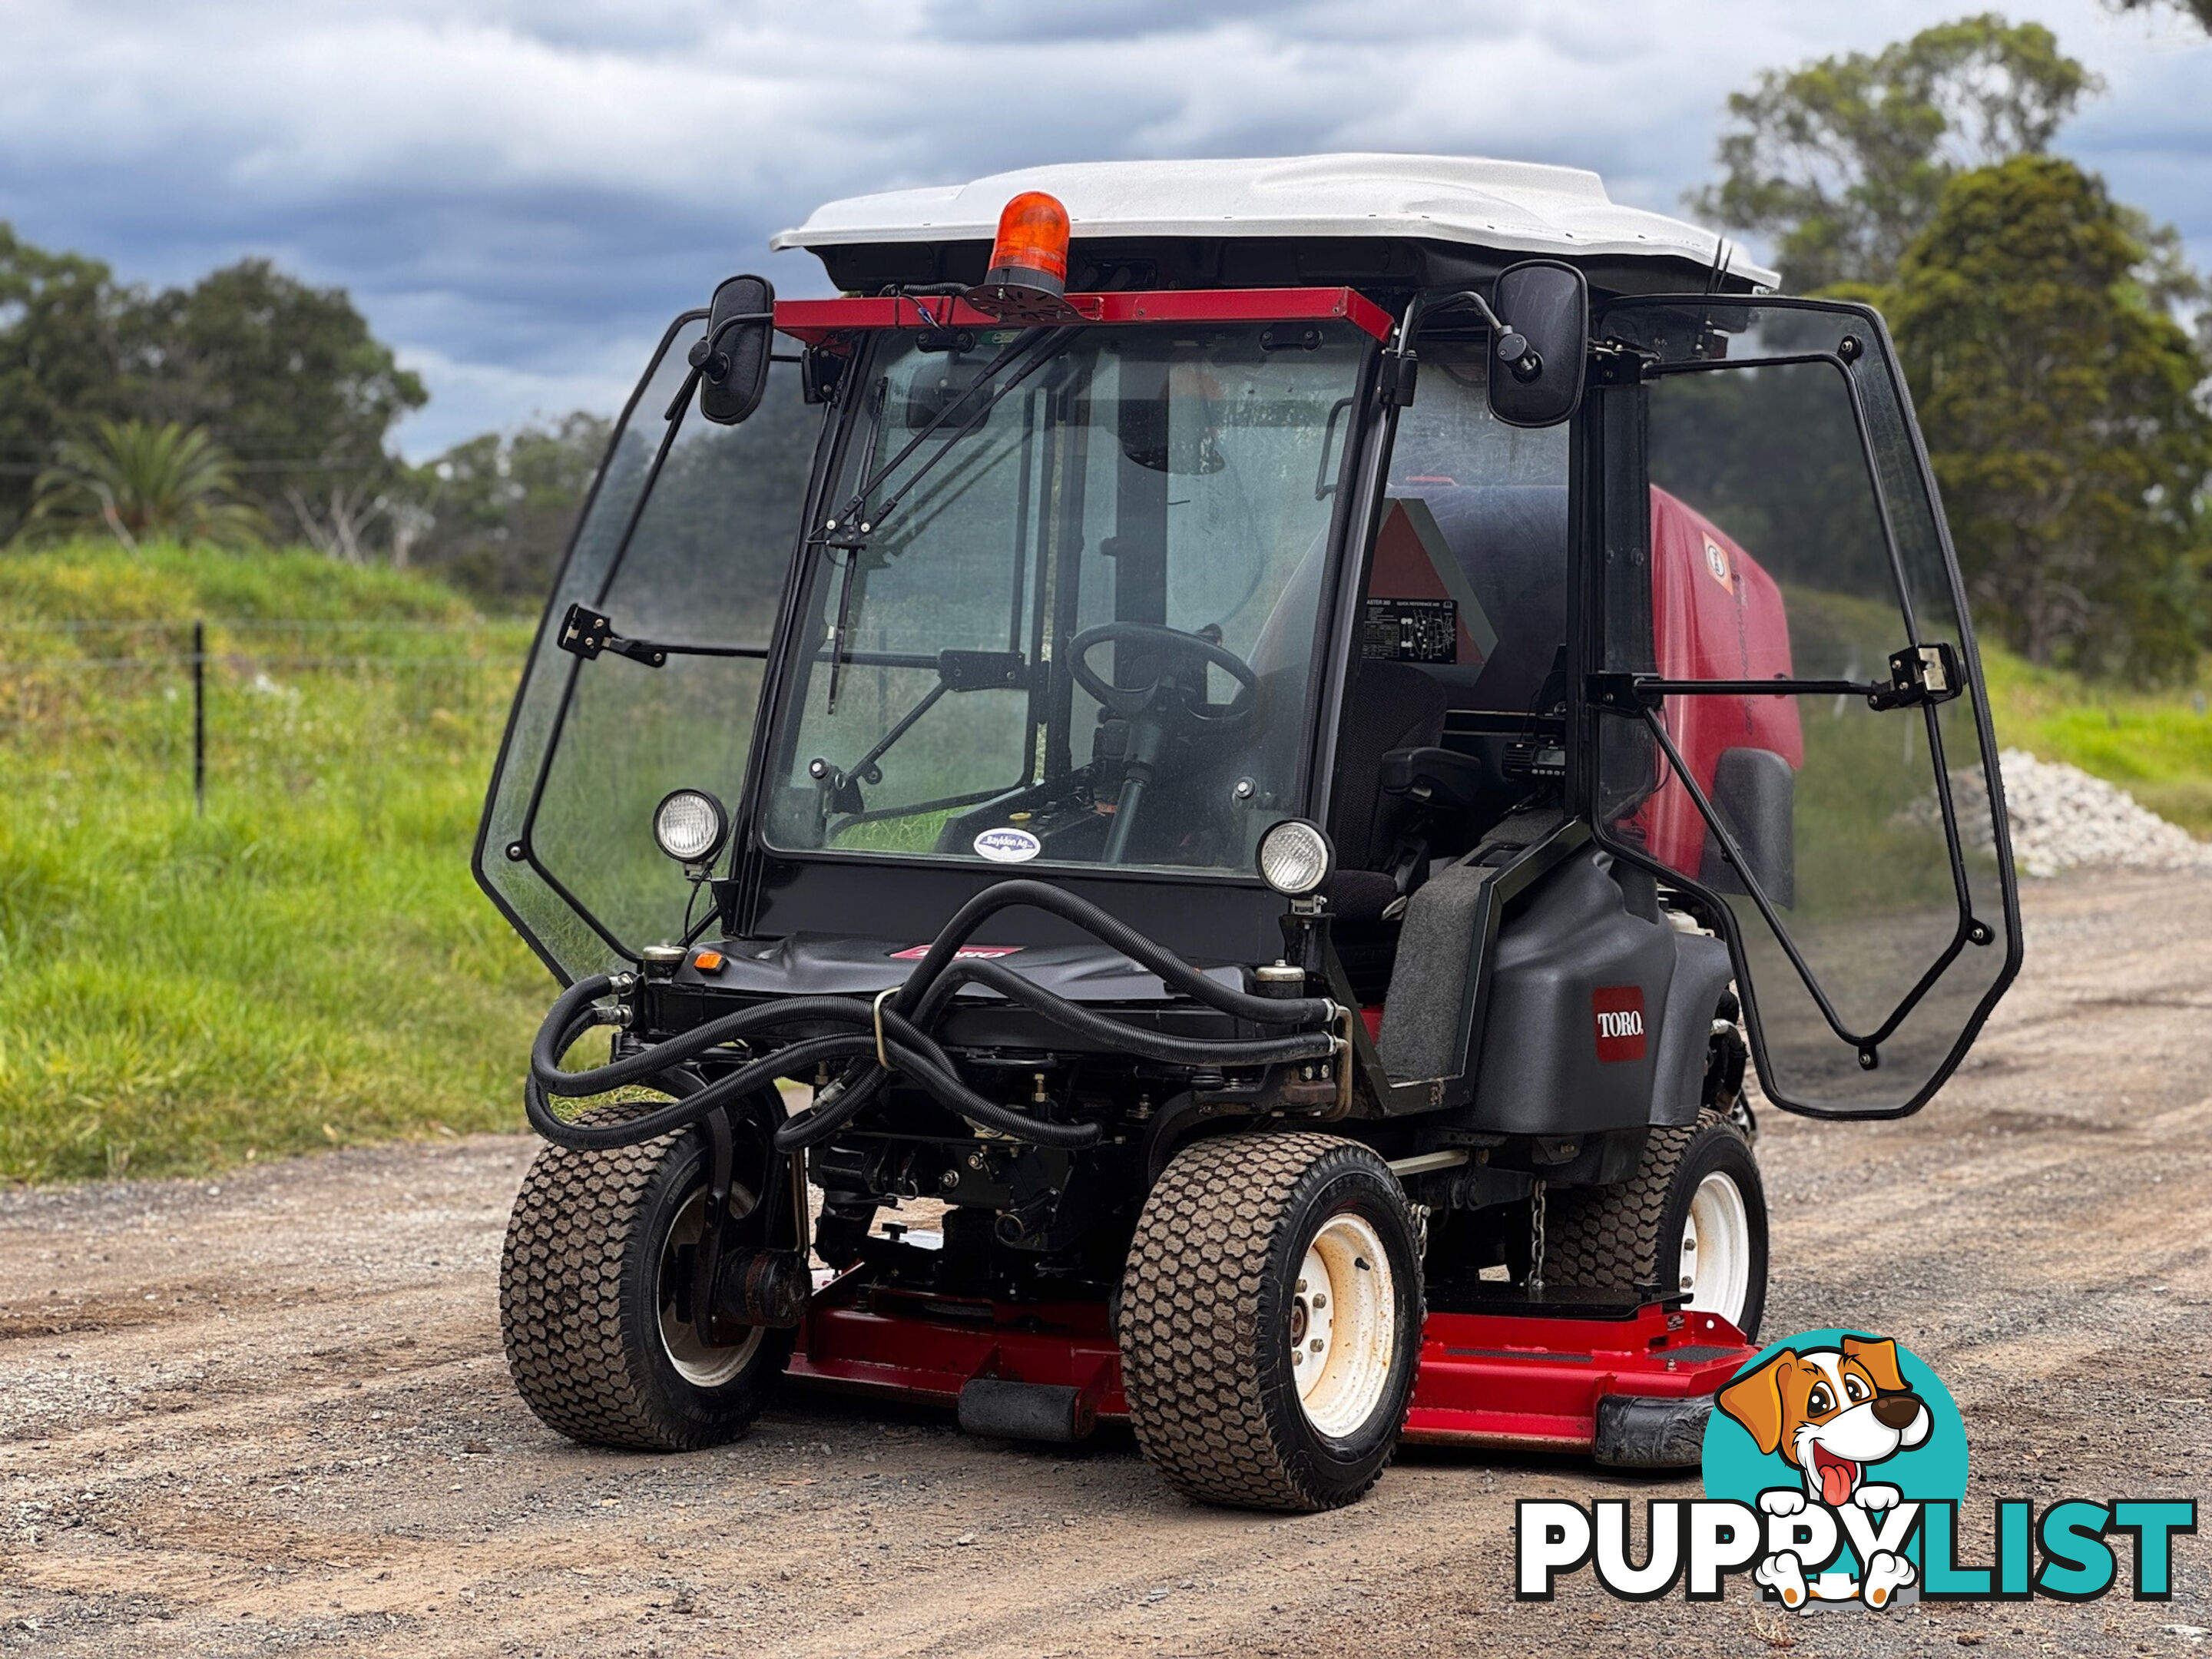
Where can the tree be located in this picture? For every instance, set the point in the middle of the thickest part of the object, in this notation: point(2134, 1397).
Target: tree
point(290, 377)
point(2059, 398)
point(142, 483)
point(501, 509)
point(1842, 161)
point(2200, 9)
point(286, 377)
point(63, 320)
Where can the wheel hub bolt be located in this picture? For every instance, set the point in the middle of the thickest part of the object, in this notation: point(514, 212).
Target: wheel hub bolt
point(1317, 1345)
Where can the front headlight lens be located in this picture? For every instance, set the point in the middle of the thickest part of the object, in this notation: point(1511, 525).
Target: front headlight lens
point(690, 825)
point(1294, 858)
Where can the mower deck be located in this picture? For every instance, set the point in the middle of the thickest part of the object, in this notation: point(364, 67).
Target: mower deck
point(1633, 1389)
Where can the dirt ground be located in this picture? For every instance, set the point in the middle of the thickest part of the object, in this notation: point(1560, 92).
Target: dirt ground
point(268, 1413)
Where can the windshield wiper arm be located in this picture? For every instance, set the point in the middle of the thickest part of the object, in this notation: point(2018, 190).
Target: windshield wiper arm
point(956, 671)
point(857, 523)
point(864, 769)
point(839, 642)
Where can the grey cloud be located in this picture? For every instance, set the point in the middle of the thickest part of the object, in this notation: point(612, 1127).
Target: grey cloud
point(519, 191)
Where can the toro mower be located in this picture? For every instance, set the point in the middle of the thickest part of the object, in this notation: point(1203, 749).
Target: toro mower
point(1188, 803)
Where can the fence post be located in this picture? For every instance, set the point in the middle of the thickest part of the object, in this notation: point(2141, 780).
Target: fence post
point(199, 717)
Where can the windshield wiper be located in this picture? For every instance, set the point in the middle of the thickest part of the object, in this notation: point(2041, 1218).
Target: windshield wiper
point(854, 527)
point(849, 532)
point(838, 653)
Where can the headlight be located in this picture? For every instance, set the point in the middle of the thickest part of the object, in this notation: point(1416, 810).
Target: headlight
point(1294, 858)
point(690, 826)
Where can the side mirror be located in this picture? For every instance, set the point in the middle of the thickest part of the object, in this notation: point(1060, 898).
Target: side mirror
point(1547, 304)
point(733, 358)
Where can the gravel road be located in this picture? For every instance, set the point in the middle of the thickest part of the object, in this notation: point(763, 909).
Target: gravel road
point(267, 1413)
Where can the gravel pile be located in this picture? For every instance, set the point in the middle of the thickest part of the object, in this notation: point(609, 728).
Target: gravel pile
point(2063, 818)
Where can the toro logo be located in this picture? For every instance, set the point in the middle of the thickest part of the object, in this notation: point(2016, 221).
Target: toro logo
point(1618, 1010)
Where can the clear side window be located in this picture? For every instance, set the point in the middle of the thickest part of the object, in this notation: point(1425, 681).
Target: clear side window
point(1469, 576)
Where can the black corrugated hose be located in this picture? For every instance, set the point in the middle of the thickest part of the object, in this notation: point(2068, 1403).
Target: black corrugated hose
point(907, 1019)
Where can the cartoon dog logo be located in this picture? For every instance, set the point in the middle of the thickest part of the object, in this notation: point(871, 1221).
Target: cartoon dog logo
point(1831, 1413)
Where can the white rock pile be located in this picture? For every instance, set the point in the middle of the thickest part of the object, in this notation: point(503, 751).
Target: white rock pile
point(2062, 817)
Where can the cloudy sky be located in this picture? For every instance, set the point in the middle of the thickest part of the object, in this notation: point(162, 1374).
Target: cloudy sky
point(519, 192)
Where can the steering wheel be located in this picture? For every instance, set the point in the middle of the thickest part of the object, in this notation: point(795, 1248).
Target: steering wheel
point(1176, 689)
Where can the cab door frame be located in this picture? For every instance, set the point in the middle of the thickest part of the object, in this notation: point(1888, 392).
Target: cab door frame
point(1609, 509)
point(517, 846)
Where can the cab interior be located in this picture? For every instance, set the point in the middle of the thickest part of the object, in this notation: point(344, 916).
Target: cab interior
point(1454, 714)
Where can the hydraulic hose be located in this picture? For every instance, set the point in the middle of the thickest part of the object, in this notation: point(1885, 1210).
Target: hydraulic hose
point(682, 1114)
point(912, 1052)
point(896, 1030)
point(1152, 1045)
point(1172, 969)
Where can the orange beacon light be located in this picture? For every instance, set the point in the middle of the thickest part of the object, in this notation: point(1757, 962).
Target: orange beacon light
point(1028, 278)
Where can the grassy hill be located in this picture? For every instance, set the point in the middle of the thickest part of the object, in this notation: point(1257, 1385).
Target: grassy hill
point(308, 963)
point(2156, 745)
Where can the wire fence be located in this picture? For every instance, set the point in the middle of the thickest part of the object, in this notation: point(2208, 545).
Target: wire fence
point(283, 702)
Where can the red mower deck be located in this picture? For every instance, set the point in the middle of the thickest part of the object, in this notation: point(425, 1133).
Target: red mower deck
point(1510, 1380)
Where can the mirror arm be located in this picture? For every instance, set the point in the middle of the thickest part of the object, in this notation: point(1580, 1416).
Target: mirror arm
point(707, 356)
point(1512, 346)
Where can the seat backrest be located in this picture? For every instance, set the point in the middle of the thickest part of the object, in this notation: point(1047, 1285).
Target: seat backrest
point(1392, 705)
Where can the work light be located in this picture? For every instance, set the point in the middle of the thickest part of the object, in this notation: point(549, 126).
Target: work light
point(1294, 858)
point(690, 826)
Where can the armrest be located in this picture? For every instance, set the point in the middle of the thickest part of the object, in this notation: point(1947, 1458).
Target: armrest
point(1438, 777)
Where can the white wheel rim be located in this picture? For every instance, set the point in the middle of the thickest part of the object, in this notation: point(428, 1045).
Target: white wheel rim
point(698, 1362)
point(1715, 1256)
point(1343, 1326)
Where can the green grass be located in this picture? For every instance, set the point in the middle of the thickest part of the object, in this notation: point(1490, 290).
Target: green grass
point(311, 963)
point(2157, 745)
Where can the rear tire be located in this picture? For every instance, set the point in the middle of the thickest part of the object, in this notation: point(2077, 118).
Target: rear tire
point(1271, 1321)
point(595, 1341)
point(1695, 1209)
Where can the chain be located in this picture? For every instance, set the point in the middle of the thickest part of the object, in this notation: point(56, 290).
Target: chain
point(1536, 1236)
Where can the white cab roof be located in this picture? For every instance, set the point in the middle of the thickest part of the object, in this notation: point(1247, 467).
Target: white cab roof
point(1515, 207)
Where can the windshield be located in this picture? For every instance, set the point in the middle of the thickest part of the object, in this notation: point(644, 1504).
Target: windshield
point(1068, 610)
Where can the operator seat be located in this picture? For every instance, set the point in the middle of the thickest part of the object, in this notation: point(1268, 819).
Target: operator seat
point(1392, 705)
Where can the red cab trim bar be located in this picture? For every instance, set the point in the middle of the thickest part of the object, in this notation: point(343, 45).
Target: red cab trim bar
point(815, 320)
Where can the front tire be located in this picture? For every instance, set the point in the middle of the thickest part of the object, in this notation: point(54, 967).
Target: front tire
point(1692, 1220)
point(592, 1309)
point(1271, 1321)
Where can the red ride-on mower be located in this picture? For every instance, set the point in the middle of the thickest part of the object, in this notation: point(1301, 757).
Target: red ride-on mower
point(1263, 741)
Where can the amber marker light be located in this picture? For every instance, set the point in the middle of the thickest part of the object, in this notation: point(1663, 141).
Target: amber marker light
point(1028, 278)
point(707, 962)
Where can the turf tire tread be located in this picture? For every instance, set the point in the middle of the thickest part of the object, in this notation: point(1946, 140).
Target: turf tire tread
point(1189, 1322)
point(1608, 1237)
point(560, 1295)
